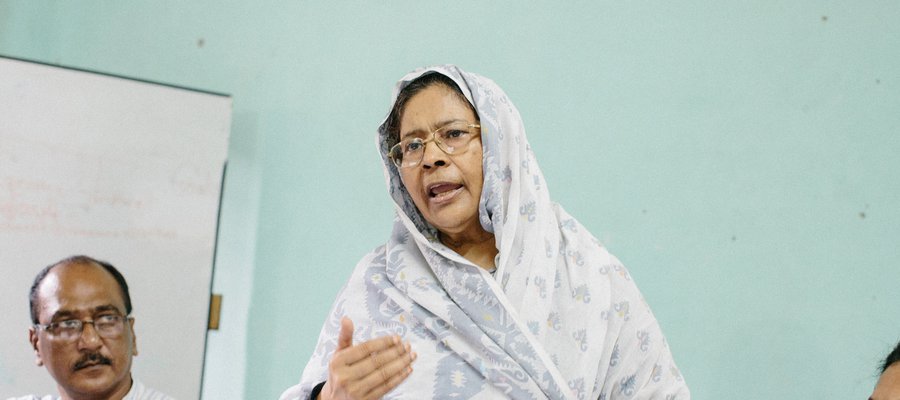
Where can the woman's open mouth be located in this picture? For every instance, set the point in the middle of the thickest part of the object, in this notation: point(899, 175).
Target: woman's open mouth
point(443, 192)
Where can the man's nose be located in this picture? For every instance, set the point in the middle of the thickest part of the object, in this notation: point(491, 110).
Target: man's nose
point(90, 338)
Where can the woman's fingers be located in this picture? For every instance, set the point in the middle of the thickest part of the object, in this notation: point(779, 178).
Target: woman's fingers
point(396, 368)
point(355, 354)
point(369, 369)
point(363, 368)
point(395, 374)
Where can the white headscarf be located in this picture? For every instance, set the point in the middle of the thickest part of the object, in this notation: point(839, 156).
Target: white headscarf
point(562, 319)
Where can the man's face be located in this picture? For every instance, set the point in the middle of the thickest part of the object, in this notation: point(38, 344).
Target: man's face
point(90, 365)
point(888, 387)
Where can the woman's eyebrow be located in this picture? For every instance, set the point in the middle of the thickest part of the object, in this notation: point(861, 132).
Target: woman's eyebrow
point(414, 132)
point(439, 125)
point(448, 122)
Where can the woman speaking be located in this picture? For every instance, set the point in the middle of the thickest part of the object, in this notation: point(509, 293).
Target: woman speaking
point(486, 288)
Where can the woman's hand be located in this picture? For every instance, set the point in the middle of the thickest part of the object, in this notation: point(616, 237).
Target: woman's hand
point(367, 370)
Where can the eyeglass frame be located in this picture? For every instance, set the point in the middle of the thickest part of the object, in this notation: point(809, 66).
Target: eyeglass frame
point(432, 139)
point(82, 322)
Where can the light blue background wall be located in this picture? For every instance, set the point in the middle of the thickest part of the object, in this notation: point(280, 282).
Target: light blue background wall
point(740, 157)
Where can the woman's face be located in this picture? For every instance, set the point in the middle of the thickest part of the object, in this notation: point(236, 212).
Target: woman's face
point(446, 189)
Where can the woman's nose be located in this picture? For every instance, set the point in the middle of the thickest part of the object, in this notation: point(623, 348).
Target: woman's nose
point(433, 156)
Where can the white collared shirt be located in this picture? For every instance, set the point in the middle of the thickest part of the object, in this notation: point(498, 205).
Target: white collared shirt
point(138, 392)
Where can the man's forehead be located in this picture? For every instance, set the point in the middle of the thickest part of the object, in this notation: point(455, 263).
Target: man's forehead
point(78, 287)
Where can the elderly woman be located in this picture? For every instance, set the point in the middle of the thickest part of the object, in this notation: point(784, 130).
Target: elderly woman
point(486, 288)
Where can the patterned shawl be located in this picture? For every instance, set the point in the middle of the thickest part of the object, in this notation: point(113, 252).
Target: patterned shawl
point(560, 318)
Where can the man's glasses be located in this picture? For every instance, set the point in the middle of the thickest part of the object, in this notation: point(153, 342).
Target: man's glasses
point(107, 326)
point(452, 139)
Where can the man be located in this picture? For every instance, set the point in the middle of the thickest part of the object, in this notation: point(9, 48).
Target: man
point(83, 332)
point(888, 387)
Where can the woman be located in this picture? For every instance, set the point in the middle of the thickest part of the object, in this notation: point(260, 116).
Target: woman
point(498, 290)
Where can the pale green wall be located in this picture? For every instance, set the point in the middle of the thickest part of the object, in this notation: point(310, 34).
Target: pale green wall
point(740, 157)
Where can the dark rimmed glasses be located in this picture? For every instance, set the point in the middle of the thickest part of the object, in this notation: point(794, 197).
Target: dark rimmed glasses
point(452, 139)
point(107, 326)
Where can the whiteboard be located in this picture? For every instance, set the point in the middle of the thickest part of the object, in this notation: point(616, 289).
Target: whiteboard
point(124, 171)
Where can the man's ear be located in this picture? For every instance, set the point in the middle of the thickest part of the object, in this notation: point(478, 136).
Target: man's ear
point(33, 339)
point(134, 350)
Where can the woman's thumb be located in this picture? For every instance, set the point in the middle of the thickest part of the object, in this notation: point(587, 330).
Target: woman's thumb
point(345, 339)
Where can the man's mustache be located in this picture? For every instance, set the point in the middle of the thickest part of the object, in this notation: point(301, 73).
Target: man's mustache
point(91, 359)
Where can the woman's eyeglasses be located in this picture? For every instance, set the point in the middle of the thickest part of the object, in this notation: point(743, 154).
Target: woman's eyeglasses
point(452, 139)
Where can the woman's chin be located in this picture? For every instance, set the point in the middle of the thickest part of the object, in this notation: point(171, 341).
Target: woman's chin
point(454, 222)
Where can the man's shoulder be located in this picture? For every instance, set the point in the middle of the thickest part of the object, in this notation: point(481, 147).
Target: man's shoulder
point(140, 392)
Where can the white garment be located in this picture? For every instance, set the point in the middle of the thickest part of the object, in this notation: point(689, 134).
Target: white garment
point(561, 318)
point(138, 392)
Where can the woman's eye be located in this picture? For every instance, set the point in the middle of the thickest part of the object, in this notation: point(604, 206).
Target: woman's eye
point(413, 146)
point(454, 133)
